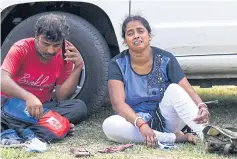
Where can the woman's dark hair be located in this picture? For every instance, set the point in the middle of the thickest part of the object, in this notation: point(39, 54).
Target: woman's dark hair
point(53, 27)
point(133, 18)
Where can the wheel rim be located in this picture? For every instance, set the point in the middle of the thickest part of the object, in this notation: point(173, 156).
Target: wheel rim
point(81, 82)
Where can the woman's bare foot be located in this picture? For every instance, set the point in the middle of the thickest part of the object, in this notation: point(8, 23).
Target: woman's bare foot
point(72, 129)
point(181, 137)
point(192, 139)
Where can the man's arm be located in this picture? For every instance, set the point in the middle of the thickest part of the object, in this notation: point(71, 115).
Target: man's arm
point(11, 88)
point(10, 67)
point(68, 87)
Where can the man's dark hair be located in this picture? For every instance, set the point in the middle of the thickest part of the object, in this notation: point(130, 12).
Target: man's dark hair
point(133, 18)
point(53, 27)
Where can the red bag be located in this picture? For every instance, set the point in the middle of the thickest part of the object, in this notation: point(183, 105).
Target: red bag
point(52, 126)
point(56, 123)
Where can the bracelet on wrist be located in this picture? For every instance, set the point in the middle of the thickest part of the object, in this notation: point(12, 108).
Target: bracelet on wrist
point(142, 125)
point(135, 121)
point(203, 107)
point(200, 105)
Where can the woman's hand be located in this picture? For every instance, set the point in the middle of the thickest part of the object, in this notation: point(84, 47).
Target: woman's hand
point(202, 116)
point(149, 135)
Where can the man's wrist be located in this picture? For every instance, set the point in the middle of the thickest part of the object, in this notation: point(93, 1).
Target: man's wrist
point(78, 68)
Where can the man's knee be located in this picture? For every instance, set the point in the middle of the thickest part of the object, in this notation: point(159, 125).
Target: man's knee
point(79, 111)
point(81, 108)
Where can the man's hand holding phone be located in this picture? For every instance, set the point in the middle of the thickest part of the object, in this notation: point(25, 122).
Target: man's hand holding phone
point(73, 55)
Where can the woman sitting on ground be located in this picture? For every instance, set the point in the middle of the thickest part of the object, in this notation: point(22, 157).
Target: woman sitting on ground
point(150, 94)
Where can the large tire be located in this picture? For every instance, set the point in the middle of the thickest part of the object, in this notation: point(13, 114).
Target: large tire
point(89, 42)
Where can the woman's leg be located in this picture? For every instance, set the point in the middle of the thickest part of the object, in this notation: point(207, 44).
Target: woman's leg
point(118, 129)
point(179, 110)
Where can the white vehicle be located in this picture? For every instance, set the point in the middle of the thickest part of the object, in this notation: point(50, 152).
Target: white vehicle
point(202, 35)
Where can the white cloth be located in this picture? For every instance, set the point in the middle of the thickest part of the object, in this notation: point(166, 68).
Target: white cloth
point(177, 108)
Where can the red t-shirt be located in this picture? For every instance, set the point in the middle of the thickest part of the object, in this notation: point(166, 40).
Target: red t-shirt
point(39, 78)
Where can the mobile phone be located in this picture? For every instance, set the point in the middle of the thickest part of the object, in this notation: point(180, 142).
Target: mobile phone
point(63, 49)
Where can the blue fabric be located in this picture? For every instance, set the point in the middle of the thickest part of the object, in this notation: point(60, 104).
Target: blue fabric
point(16, 108)
point(10, 134)
point(143, 92)
point(28, 134)
point(145, 116)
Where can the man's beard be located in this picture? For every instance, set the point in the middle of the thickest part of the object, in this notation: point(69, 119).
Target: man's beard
point(43, 55)
point(47, 55)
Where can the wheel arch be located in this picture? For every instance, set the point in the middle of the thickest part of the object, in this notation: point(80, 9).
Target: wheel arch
point(13, 15)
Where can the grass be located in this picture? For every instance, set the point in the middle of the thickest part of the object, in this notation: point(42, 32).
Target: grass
point(90, 136)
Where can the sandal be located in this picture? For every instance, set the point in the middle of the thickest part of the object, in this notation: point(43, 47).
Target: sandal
point(80, 152)
point(113, 149)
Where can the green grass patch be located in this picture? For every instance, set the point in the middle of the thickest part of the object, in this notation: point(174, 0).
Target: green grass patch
point(89, 135)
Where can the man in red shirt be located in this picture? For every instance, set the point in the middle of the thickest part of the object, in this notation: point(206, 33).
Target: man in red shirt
point(34, 67)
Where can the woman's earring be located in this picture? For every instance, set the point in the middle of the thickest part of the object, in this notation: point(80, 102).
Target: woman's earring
point(150, 37)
